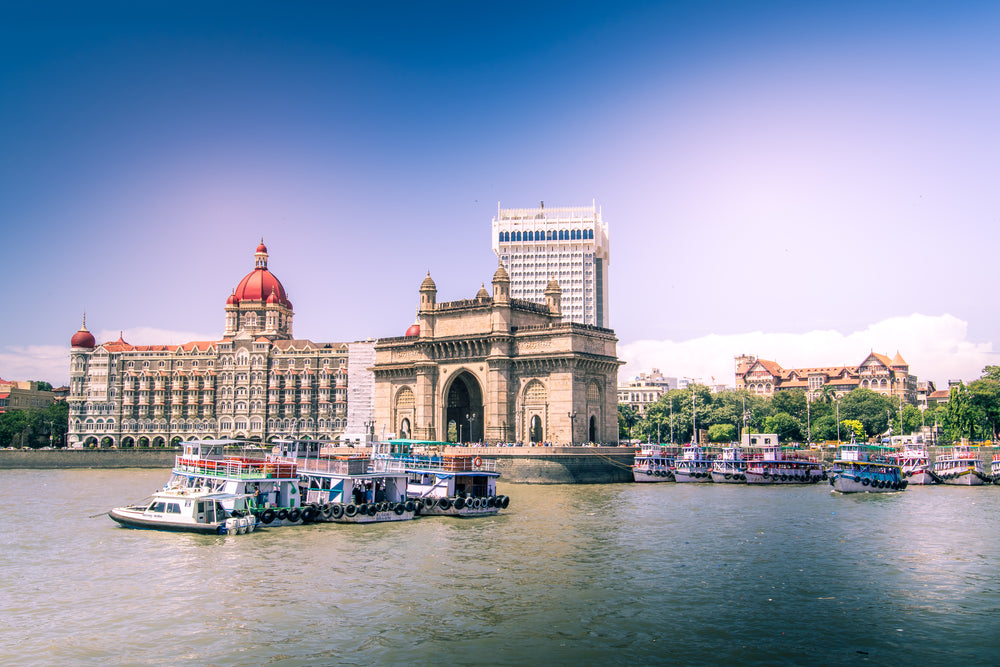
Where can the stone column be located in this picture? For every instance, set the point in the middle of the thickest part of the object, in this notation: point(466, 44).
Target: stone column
point(426, 408)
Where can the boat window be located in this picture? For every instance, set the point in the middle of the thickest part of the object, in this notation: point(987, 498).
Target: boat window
point(157, 506)
point(173, 508)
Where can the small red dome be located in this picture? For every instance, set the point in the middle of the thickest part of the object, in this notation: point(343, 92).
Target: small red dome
point(262, 247)
point(414, 330)
point(272, 297)
point(233, 300)
point(83, 338)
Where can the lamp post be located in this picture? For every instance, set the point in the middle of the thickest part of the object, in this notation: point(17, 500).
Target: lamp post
point(572, 416)
point(470, 417)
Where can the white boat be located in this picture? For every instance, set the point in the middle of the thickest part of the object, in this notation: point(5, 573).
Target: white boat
point(345, 489)
point(913, 458)
point(253, 484)
point(995, 468)
point(185, 510)
point(769, 464)
point(961, 465)
point(443, 484)
point(730, 467)
point(863, 468)
point(654, 463)
point(694, 465)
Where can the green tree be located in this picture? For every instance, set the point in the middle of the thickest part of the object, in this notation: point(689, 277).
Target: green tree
point(791, 402)
point(849, 426)
point(786, 426)
point(627, 418)
point(721, 433)
point(868, 407)
point(961, 414)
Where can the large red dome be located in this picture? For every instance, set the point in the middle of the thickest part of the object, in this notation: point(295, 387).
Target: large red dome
point(260, 283)
point(83, 338)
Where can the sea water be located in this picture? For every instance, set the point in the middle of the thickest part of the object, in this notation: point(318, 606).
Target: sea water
point(603, 574)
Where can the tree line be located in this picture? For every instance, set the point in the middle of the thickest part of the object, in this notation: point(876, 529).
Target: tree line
point(39, 427)
point(972, 411)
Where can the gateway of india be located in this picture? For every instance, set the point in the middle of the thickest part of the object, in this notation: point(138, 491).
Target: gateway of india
point(497, 369)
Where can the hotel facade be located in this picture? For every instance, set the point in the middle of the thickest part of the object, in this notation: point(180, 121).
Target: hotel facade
point(257, 383)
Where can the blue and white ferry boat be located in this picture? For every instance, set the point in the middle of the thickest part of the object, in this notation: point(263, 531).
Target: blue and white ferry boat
point(443, 483)
point(864, 468)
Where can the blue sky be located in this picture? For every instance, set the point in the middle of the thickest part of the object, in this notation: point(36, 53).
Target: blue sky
point(802, 181)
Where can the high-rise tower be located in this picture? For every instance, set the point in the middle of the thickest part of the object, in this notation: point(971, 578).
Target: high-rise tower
point(569, 244)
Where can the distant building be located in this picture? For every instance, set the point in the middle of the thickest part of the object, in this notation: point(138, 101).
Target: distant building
point(23, 395)
point(257, 383)
point(569, 245)
point(877, 372)
point(645, 390)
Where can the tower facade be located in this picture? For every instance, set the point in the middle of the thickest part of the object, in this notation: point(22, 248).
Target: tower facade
point(567, 244)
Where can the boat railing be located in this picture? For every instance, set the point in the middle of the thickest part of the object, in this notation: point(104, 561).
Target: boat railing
point(449, 464)
point(353, 465)
point(235, 467)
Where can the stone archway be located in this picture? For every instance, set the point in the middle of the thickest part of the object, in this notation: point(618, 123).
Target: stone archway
point(592, 435)
point(535, 431)
point(464, 406)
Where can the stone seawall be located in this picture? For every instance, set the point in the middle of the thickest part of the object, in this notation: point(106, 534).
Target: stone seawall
point(558, 465)
point(87, 458)
point(519, 465)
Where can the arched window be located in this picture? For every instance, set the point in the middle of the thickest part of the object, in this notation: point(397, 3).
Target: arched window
point(529, 236)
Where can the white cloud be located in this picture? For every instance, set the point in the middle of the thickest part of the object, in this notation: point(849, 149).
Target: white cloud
point(935, 347)
point(51, 362)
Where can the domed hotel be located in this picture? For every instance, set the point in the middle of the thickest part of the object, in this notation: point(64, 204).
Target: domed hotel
point(258, 382)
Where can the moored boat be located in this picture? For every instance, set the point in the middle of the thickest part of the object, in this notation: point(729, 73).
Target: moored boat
point(995, 468)
point(345, 489)
point(730, 467)
point(185, 510)
point(914, 460)
point(864, 468)
point(770, 464)
point(961, 465)
point(694, 465)
point(251, 482)
point(443, 483)
point(653, 463)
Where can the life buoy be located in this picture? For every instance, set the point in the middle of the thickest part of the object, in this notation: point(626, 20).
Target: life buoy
point(443, 503)
point(337, 511)
point(351, 510)
point(399, 509)
point(267, 516)
point(477, 462)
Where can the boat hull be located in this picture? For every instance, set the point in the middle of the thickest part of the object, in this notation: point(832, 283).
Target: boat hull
point(963, 478)
point(465, 509)
point(134, 519)
point(728, 477)
point(794, 477)
point(652, 476)
point(692, 476)
point(847, 483)
point(921, 477)
point(370, 513)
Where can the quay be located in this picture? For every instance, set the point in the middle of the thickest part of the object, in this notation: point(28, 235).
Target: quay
point(518, 465)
